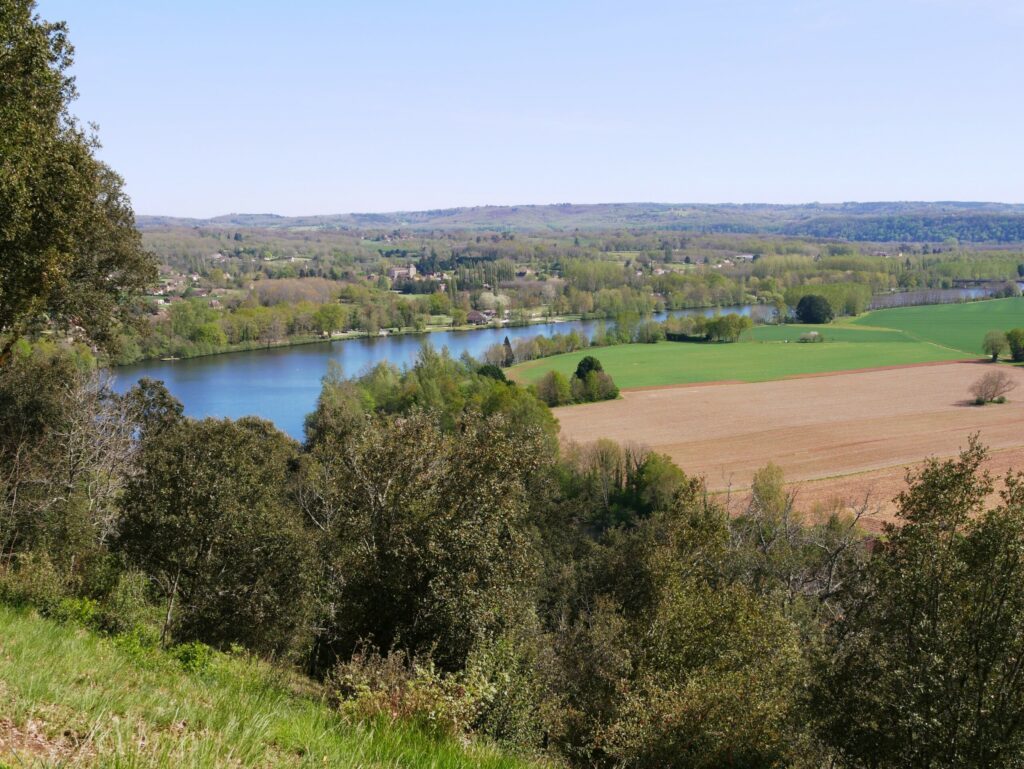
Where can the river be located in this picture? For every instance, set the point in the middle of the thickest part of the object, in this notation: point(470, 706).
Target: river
point(282, 383)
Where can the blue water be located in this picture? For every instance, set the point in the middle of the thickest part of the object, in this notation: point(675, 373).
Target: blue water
point(282, 384)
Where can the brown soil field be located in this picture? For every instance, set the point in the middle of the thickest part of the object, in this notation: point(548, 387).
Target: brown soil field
point(836, 437)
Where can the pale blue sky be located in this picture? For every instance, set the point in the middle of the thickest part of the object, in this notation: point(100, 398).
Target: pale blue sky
point(310, 106)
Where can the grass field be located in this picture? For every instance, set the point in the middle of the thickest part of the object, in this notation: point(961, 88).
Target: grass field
point(668, 363)
point(959, 326)
point(71, 698)
point(894, 337)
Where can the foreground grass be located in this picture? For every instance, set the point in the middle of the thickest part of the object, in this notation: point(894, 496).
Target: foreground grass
point(70, 698)
point(958, 326)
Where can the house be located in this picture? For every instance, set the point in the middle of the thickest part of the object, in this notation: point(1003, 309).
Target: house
point(395, 273)
point(476, 317)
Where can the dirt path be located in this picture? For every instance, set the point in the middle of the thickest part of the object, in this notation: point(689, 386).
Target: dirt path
point(835, 435)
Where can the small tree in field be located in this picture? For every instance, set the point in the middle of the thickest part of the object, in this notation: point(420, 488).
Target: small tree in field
point(554, 389)
point(586, 365)
point(991, 387)
point(814, 309)
point(994, 344)
point(1015, 340)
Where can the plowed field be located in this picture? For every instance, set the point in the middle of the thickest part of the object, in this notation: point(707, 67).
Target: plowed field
point(841, 434)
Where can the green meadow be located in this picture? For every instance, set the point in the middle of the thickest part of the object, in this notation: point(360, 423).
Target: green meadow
point(958, 326)
point(882, 338)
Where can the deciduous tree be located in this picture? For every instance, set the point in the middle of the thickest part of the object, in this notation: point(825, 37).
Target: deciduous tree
point(994, 344)
point(924, 668)
point(70, 255)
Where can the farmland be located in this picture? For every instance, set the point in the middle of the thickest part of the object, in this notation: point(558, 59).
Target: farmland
point(825, 432)
point(848, 416)
point(895, 337)
point(770, 352)
point(958, 326)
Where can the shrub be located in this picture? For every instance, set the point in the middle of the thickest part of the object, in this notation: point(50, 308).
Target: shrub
point(991, 387)
point(78, 611)
point(369, 687)
point(492, 371)
point(32, 580)
point(600, 387)
point(195, 657)
point(128, 608)
point(726, 328)
point(511, 710)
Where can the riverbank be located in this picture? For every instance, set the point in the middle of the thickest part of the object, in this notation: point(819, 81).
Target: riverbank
point(295, 341)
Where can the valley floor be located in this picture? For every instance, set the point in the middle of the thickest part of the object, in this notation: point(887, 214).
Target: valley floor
point(843, 435)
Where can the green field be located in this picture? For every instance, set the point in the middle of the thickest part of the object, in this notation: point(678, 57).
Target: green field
point(647, 365)
point(959, 326)
point(881, 338)
point(69, 697)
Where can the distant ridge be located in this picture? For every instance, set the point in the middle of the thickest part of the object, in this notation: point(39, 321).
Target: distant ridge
point(909, 220)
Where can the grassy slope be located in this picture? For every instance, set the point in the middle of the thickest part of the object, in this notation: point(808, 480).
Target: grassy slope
point(763, 356)
point(68, 697)
point(960, 326)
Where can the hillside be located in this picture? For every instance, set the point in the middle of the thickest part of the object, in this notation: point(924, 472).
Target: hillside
point(880, 221)
point(70, 698)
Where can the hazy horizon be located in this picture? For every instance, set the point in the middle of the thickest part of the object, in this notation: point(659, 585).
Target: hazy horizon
point(681, 204)
point(385, 107)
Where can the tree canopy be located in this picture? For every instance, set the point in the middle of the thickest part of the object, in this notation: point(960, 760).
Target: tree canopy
point(814, 309)
point(70, 255)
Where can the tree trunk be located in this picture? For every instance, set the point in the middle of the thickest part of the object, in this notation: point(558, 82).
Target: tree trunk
point(170, 609)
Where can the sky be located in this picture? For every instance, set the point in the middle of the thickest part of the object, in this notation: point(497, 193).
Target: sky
point(209, 107)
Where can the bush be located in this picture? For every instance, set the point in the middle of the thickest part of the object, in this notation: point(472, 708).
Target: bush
point(369, 687)
point(32, 580)
point(127, 608)
point(600, 387)
point(586, 365)
point(195, 657)
point(511, 711)
point(492, 371)
point(78, 611)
